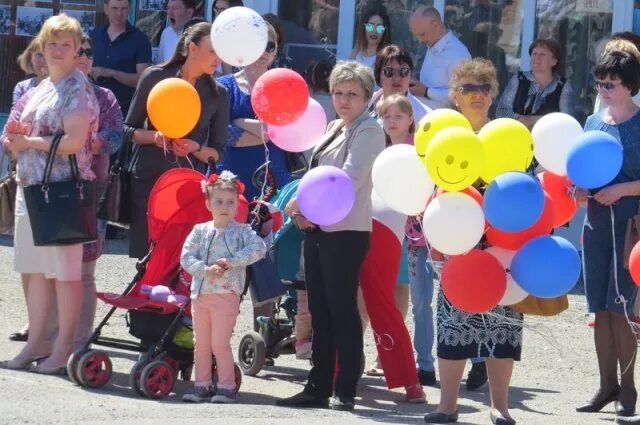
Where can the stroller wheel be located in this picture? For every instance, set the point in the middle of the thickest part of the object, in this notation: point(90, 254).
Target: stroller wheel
point(173, 363)
point(157, 379)
point(236, 370)
point(252, 353)
point(94, 369)
point(136, 374)
point(72, 364)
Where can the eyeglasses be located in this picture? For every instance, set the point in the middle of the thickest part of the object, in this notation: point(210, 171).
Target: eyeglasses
point(606, 86)
point(380, 29)
point(88, 52)
point(349, 96)
point(403, 72)
point(474, 88)
point(271, 47)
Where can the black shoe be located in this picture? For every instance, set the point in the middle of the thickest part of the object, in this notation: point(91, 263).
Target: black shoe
point(626, 411)
point(19, 336)
point(501, 420)
point(343, 403)
point(427, 377)
point(441, 418)
point(477, 376)
point(303, 399)
point(597, 405)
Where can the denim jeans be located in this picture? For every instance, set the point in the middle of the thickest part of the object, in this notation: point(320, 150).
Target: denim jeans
point(421, 281)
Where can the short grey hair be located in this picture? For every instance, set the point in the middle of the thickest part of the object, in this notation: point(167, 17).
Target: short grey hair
point(352, 71)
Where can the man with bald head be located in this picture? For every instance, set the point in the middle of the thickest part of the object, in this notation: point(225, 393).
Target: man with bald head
point(444, 52)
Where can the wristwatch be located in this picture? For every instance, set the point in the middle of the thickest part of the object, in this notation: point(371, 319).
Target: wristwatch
point(426, 92)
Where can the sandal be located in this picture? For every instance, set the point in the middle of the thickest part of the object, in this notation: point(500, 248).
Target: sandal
point(58, 371)
point(374, 371)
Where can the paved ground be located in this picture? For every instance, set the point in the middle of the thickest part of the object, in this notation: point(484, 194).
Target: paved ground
point(557, 372)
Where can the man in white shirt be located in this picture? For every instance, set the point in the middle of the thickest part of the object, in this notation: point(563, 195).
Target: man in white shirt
point(444, 53)
point(178, 13)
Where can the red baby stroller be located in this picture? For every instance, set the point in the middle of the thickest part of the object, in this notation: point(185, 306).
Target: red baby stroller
point(176, 205)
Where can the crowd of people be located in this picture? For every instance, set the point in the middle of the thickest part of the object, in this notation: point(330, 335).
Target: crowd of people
point(93, 89)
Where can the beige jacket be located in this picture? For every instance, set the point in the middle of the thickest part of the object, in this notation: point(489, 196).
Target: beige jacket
point(353, 150)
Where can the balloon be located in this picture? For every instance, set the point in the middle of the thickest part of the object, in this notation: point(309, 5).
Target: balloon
point(280, 96)
point(471, 191)
point(508, 146)
point(453, 223)
point(557, 187)
point(594, 160)
point(432, 123)
point(546, 267)
point(474, 282)
point(326, 195)
point(513, 202)
point(454, 158)
point(401, 181)
point(239, 36)
point(173, 107)
point(513, 294)
point(634, 264)
point(553, 137)
point(159, 293)
point(303, 133)
point(515, 240)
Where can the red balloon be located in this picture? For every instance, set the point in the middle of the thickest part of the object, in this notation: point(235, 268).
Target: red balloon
point(280, 96)
point(243, 210)
point(634, 264)
point(558, 187)
point(474, 282)
point(515, 240)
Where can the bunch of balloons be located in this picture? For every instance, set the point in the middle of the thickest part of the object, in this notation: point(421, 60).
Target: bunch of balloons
point(518, 210)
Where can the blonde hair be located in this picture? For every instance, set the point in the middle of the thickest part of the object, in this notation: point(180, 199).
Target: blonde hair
point(480, 69)
point(352, 71)
point(24, 60)
point(399, 100)
point(619, 44)
point(57, 24)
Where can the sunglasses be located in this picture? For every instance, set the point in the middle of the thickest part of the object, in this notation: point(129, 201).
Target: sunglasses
point(380, 29)
point(271, 47)
point(606, 86)
point(88, 52)
point(474, 88)
point(403, 72)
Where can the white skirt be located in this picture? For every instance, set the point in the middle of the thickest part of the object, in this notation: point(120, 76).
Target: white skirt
point(63, 263)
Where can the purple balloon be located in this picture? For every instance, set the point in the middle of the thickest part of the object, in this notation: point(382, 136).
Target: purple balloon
point(326, 195)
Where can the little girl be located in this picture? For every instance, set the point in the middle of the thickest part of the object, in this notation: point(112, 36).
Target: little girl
point(374, 32)
point(216, 254)
point(396, 114)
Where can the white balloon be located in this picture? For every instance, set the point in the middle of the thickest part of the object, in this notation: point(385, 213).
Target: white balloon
point(401, 180)
point(553, 137)
point(453, 223)
point(239, 36)
point(514, 293)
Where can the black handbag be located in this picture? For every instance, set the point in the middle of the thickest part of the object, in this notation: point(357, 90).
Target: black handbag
point(62, 213)
point(113, 205)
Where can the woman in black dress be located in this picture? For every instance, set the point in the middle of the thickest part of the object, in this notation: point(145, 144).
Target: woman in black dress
point(194, 61)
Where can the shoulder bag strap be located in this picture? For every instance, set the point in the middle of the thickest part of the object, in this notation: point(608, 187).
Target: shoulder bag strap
point(53, 149)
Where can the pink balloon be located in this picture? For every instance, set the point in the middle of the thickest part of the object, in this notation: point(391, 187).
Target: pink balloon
point(303, 133)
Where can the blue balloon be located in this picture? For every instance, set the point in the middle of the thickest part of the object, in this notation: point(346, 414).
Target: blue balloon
point(546, 266)
point(594, 160)
point(513, 202)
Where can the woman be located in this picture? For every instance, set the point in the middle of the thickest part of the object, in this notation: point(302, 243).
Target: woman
point(194, 61)
point(334, 254)
point(32, 62)
point(530, 95)
point(217, 7)
point(461, 335)
point(282, 60)
point(621, 41)
point(64, 102)
point(611, 297)
point(373, 34)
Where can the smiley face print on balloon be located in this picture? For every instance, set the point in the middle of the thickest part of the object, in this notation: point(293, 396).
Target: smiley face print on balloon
point(434, 122)
point(454, 158)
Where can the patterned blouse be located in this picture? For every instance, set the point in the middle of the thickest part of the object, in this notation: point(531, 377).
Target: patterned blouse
point(206, 244)
point(22, 88)
point(45, 108)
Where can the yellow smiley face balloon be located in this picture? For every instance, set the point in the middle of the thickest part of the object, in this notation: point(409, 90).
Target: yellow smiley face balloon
point(432, 123)
point(454, 158)
point(508, 146)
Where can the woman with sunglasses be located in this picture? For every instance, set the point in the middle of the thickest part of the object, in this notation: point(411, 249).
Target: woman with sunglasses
point(610, 290)
point(374, 33)
point(496, 336)
point(194, 60)
point(532, 94)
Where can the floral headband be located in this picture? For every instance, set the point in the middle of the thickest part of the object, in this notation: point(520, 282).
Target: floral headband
point(227, 176)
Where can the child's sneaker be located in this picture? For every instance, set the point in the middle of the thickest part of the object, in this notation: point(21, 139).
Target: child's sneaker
point(224, 396)
point(199, 394)
point(303, 350)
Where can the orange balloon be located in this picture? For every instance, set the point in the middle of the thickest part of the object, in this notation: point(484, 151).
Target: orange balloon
point(173, 107)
